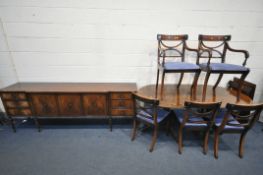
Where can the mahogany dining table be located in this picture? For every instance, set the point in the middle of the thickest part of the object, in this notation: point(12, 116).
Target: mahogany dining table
point(174, 98)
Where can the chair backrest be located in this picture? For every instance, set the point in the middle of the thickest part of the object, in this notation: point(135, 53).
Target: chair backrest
point(217, 44)
point(246, 115)
point(200, 112)
point(171, 46)
point(248, 88)
point(146, 107)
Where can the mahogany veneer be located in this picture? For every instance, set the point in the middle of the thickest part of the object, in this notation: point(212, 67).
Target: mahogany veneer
point(68, 99)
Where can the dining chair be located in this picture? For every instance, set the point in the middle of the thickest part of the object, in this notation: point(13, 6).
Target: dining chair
point(171, 47)
point(149, 113)
point(218, 46)
point(248, 88)
point(236, 119)
point(197, 116)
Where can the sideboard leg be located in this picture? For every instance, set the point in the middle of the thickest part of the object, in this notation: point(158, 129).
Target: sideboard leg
point(110, 123)
point(12, 124)
point(37, 124)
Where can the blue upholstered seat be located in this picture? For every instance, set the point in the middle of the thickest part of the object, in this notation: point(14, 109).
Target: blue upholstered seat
point(223, 67)
point(146, 116)
point(231, 120)
point(179, 113)
point(180, 66)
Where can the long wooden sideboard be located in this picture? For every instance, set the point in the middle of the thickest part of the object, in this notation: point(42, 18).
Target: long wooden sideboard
point(57, 100)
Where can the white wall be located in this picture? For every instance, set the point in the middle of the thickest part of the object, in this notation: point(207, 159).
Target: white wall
point(115, 40)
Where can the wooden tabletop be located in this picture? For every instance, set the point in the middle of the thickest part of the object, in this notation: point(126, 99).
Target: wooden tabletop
point(173, 98)
point(70, 87)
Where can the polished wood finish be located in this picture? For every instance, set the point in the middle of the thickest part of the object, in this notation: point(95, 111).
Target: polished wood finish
point(68, 100)
point(174, 98)
point(121, 104)
point(70, 105)
point(45, 104)
point(70, 87)
point(14, 96)
point(95, 104)
point(23, 112)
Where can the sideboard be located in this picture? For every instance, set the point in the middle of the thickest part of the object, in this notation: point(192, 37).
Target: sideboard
point(58, 100)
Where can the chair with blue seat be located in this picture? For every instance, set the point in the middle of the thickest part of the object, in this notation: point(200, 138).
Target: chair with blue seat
point(172, 47)
point(218, 46)
point(198, 116)
point(149, 113)
point(236, 119)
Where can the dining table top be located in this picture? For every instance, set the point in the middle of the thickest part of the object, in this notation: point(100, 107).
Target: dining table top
point(174, 97)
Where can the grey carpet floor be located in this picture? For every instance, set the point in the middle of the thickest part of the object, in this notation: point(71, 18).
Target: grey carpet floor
point(93, 150)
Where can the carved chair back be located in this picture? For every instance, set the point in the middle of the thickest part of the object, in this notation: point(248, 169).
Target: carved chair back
point(172, 46)
point(246, 115)
point(146, 107)
point(200, 112)
point(217, 44)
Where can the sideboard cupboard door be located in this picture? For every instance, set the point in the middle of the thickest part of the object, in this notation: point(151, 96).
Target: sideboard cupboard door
point(45, 104)
point(95, 104)
point(70, 105)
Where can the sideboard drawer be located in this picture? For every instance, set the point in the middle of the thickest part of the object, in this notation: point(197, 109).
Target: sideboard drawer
point(122, 112)
point(122, 103)
point(14, 96)
point(121, 95)
point(70, 105)
point(17, 104)
point(45, 104)
point(17, 112)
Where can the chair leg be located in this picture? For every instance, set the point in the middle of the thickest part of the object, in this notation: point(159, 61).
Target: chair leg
point(242, 78)
point(154, 138)
point(12, 124)
point(180, 140)
point(216, 142)
point(205, 85)
point(157, 83)
point(205, 146)
point(162, 84)
point(241, 144)
point(134, 130)
point(217, 82)
point(180, 80)
point(37, 124)
point(194, 85)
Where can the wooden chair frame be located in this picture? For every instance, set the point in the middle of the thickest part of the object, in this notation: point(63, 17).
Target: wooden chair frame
point(248, 88)
point(161, 57)
point(222, 55)
point(204, 110)
point(246, 115)
point(154, 106)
